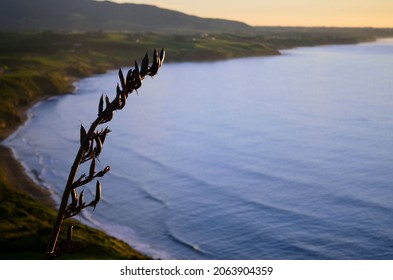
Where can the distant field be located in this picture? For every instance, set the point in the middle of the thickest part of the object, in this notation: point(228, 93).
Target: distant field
point(36, 65)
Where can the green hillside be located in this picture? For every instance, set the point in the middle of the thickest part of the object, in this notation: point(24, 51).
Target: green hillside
point(26, 222)
point(90, 15)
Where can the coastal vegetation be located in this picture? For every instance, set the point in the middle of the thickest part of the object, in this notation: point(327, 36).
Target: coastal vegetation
point(35, 65)
point(26, 222)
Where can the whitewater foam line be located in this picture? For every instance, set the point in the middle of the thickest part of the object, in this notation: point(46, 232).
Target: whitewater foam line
point(123, 233)
point(189, 245)
point(34, 175)
point(126, 234)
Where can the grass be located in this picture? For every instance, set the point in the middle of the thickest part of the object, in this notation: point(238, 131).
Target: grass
point(26, 225)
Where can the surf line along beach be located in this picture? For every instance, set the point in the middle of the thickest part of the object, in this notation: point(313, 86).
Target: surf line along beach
point(27, 204)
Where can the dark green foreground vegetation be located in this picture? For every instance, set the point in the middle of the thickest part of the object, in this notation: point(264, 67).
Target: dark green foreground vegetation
point(26, 224)
point(37, 65)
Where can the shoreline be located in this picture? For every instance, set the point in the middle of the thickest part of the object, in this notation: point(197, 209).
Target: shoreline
point(18, 178)
point(15, 173)
point(15, 176)
point(12, 168)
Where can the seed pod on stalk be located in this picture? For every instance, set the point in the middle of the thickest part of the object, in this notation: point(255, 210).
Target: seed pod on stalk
point(83, 134)
point(121, 77)
point(156, 64)
point(92, 167)
point(98, 195)
point(107, 101)
point(103, 134)
point(129, 80)
point(103, 172)
point(98, 149)
point(74, 199)
point(101, 105)
point(81, 201)
point(162, 56)
point(144, 66)
point(69, 233)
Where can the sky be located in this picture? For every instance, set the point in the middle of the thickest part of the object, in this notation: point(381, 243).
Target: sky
point(345, 13)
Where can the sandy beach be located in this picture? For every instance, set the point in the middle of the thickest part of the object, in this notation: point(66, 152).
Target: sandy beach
point(14, 173)
point(16, 176)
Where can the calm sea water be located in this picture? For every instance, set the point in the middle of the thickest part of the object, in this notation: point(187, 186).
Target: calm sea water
point(287, 157)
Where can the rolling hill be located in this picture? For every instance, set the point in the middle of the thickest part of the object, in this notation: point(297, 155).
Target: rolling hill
point(90, 15)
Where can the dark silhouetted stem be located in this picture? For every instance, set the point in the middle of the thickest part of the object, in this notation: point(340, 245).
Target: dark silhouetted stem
point(69, 187)
point(86, 151)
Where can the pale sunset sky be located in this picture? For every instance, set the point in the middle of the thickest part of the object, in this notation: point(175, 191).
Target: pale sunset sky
point(357, 13)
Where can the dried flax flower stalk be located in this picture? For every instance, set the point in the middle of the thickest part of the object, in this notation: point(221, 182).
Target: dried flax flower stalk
point(91, 145)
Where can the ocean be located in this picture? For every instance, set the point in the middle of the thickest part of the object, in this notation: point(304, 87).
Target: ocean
point(282, 157)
